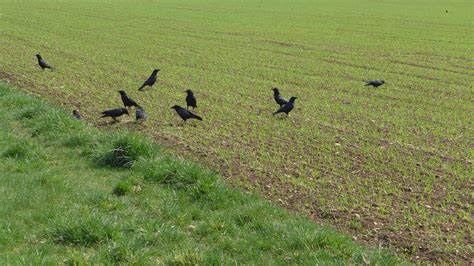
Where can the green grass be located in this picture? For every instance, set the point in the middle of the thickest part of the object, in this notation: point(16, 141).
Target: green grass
point(391, 165)
point(67, 198)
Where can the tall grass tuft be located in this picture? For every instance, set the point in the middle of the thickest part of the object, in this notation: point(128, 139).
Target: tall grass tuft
point(83, 233)
point(19, 150)
point(122, 188)
point(180, 175)
point(122, 150)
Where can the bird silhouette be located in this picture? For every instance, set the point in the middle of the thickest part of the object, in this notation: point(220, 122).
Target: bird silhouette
point(43, 63)
point(190, 99)
point(76, 114)
point(287, 107)
point(114, 113)
point(374, 83)
point(127, 101)
point(140, 114)
point(278, 98)
point(184, 113)
point(151, 80)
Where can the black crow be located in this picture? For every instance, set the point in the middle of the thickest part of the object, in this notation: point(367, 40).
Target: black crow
point(42, 63)
point(374, 83)
point(278, 98)
point(76, 114)
point(127, 101)
point(150, 81)
point(140, 114)
point(114, 113)
point(190, 99)
point(287, 107)
point(185, 114)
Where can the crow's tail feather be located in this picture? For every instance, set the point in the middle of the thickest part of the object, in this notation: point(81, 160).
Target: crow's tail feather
point(197, 117)
point(47, 66)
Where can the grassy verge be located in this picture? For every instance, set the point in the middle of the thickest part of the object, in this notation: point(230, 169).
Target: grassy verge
point(72, 193)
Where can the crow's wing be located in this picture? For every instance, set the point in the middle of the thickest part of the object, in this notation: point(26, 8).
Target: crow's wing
point(191, 100)
point(280, 100)
point(43, 63)
point(284, 109)
point(113, 112)
point(130, 102)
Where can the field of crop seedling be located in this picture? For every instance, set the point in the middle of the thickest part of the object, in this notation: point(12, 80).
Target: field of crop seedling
point(390, 165)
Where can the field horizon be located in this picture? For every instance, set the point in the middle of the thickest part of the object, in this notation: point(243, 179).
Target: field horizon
point(390, 165)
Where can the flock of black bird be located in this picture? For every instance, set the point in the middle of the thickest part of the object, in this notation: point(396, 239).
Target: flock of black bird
point(286, 106)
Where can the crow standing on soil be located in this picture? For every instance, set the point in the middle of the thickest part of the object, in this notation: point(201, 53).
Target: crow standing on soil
point(127, 101)
point(278, 98)
point(185, 114)
point(374, 83)
point(150, 81)
point(76, 114)
point(287, 107)
point(43, 63)
point(190, 99)
point(114, 113)
point(140, 114)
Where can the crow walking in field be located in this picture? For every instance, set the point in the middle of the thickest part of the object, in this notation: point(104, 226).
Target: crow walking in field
point(140, 114)
point(190, 99)
point(150, 81)
point(127, 101)
point(374, 83)
point(278, 98)
point(185, 114)
point(76, 114)
point(43, 63)
point(114, 113)
point(287, 107)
